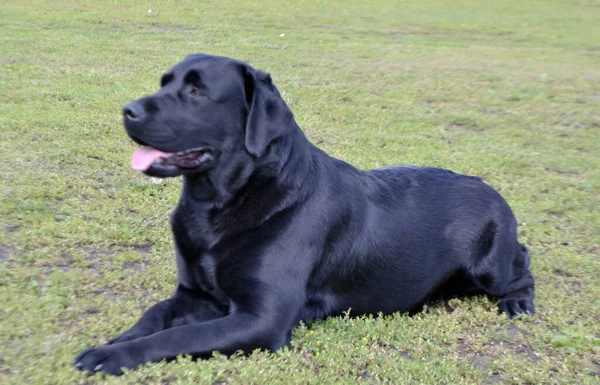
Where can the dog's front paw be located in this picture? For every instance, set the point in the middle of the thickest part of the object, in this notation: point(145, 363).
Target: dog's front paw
point(108, 359)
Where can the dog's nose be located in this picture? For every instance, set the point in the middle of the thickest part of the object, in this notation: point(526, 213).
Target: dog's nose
point(133, 111)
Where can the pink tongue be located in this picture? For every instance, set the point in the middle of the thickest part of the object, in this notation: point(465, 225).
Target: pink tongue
point(143, 157)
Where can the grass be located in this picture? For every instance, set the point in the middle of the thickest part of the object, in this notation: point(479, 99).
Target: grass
point(506, 90)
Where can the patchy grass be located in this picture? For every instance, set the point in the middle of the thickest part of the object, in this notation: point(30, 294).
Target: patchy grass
point(506, 90)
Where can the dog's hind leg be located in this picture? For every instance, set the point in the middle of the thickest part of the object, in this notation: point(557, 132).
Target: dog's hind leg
point(520, 290)
point(501, 267)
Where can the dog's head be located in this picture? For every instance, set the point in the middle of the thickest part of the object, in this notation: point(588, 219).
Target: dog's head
point(208, 109)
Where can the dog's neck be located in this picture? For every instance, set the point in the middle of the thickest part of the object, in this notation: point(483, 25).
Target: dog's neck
point(271, 185)
point(286, 168)
point(293, 159)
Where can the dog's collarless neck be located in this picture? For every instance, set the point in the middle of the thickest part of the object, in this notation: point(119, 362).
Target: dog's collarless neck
point(198, 188)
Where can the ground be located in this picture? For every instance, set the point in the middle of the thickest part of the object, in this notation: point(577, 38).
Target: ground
point(506, 90)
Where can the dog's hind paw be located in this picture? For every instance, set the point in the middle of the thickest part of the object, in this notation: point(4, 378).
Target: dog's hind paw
point(513, 307)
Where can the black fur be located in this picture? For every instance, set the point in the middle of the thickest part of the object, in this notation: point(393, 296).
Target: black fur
point(272, 230)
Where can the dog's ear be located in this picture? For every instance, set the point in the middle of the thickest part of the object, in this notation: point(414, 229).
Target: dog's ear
point(269, 117)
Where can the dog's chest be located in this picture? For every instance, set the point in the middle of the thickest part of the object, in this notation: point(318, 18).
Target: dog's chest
point(192, 229)
point(200, 253)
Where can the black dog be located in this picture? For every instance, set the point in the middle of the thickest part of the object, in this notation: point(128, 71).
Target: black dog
point(271, 231)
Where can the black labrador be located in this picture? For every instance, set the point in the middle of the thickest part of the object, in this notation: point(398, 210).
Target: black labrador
point(271, 231)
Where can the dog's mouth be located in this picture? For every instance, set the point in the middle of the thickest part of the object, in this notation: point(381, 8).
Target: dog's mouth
point(146, 157)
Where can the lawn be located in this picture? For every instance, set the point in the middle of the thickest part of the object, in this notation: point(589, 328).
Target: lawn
point(507, 90)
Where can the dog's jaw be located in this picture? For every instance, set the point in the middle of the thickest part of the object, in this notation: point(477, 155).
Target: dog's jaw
point(156, 163)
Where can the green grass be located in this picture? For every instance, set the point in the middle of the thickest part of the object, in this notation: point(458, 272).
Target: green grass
point(508, 90)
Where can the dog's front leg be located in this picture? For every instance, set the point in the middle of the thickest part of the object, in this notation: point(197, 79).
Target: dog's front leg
point(184, 307)
point(236, 331)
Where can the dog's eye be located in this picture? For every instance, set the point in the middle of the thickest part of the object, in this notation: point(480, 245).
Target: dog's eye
point(195, 92)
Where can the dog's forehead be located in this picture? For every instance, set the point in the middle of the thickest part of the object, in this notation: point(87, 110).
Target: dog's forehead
point(208, 68)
